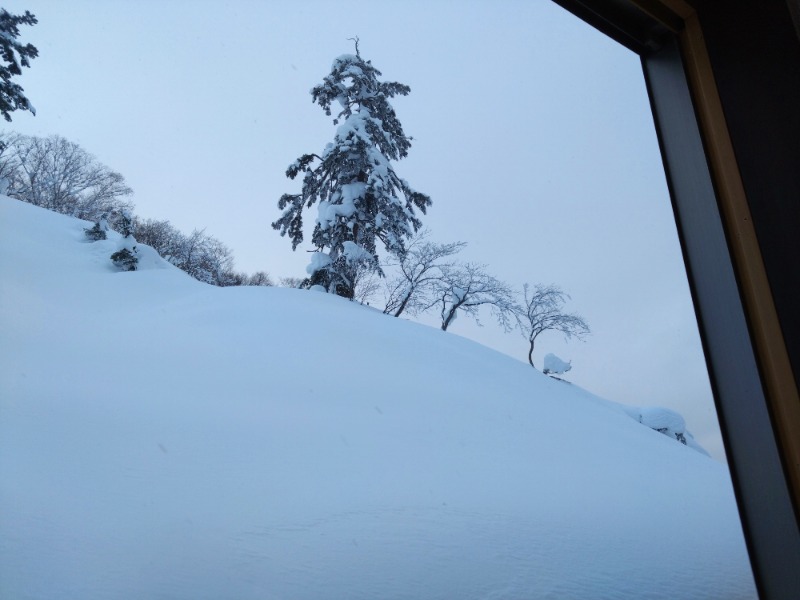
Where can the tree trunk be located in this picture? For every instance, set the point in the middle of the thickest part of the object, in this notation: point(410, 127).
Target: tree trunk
point(449, 318)
point(403, 305)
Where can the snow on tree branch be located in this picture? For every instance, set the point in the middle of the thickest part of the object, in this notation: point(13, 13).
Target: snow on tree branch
point(466, 288)
point(360, 199)
point(14, 56)
point(59, 175)
point(420, 272)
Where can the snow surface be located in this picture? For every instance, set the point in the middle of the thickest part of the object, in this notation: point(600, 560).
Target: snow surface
point(553, 364)
point(162, 438)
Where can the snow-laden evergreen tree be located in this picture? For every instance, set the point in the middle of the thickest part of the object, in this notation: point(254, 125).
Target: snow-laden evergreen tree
point(11, 94)
point(98, 232)
point(126, 257)
point(361, 200)
point(125, 224)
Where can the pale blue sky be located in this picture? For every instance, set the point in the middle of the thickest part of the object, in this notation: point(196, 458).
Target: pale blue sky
point(533, 136)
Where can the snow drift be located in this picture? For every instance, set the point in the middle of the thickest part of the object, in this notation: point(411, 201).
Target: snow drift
point(162, 438)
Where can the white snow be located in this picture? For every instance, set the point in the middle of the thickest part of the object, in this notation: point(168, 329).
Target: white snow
point(352, 191)
point(161, 438)
point(343, 204)
point(661, 418)
point(553, 364)
point(319, 260)
point(665, 421)
point(343, 58)
point(355, 253)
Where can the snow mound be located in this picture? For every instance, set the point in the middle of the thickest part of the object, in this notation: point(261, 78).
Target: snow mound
point(662, 419)
point(665, 421)
point(162, 438)
point(553, 364)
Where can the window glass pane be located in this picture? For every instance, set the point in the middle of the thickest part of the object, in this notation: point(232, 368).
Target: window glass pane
point(533, 136)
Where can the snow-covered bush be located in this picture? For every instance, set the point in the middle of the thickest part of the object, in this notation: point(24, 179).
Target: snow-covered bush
point(98, 232)
point(125, 259)
point(124, 224)
point(665, 421)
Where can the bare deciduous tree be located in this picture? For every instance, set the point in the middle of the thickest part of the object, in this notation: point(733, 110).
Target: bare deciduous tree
point(466, 288)
point(200, 255)
point(205, 258)
point(291, 282)
point(8, 158)
point(161, 236)
point(367, 284)
point(260, 278)
point(59, 175)
point(420, 270)
point(543, 312)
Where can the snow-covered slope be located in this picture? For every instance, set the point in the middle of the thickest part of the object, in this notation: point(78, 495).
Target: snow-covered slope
point(160, 438)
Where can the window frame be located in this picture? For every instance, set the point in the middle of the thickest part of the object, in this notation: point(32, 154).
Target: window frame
point(754, 387)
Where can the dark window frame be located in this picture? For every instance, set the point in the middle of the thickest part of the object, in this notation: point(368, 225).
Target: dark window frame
point(754, 386)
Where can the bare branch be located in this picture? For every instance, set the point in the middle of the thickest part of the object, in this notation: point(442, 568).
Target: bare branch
point(466, 288)
point(420, 269)
point(57, 174)
point(356, 40)
point(542, 312)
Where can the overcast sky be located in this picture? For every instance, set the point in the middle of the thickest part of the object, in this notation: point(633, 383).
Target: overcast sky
point(532, 134)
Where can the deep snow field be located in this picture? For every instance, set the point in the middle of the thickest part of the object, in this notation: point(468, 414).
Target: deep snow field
point(164, 439)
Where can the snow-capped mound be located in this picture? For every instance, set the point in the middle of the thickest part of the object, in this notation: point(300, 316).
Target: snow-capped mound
point(162, 438)
point(665, 421)
point(553, 364)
